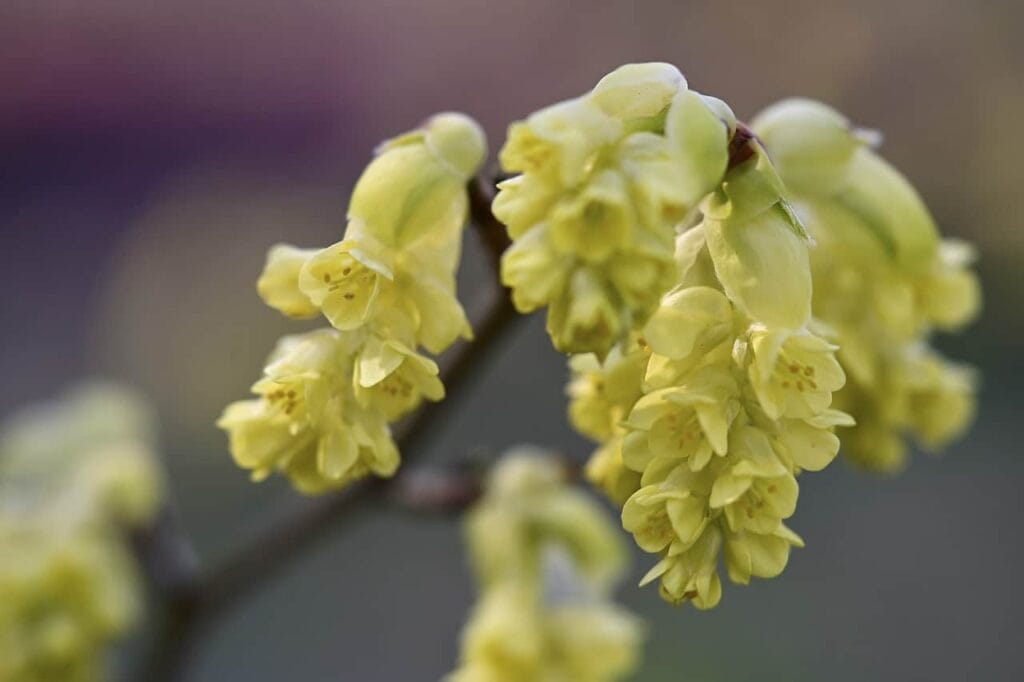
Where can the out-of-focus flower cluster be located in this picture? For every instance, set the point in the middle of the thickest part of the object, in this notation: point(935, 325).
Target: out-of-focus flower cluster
point(707, 415)
point(602, 182)
point(327, 397)
point(884, 281)
point(75, 477)
point(545, 559)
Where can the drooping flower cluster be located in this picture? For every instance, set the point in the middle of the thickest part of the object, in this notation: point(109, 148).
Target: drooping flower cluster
point(75, 476)
point(884, 280)
point(545, 559)
point(707, 415)
point(388, 288)
point(602, 181)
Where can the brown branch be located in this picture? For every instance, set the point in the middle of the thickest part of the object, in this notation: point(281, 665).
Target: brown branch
point(452, 489)
point(191, 600)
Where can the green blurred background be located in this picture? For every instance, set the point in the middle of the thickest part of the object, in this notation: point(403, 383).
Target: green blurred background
point(152, 151)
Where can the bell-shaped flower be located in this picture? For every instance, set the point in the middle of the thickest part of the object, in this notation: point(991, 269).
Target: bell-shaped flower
point(942, 402)
point(810, 445)
point(594, 223)
point(689, 572)
point(585, 318)
point(689, 320)
point(749, 554)
point(950, 295)
point(688, 422)
point(605, 179)
point(344, 280)
point(602, 393)
point(278, 285)
point(559, 143)
point(392, 379)
point(793, 374)
point(672, 509)
point(67, 593)
point(755, 490)
point(307, 422)
point(609, 473)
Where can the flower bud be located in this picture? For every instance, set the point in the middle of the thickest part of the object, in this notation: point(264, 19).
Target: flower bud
point(762, 264)
point(458, 141)
point(586, 319)
point(700, 140)
point(638, 90)
point(819, 155)
point(810, 143)
point(416, 185)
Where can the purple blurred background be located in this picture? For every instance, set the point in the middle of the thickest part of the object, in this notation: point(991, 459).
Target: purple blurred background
point(152, 151)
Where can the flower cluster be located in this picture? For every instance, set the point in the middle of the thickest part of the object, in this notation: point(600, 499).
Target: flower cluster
point(708, 414)
point(388, 288)
point(601, 183)
point(884, 280)
point(75, 475)
point(545, 559)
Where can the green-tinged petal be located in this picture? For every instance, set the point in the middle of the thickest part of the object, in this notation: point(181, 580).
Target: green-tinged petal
point(762, 264)
point(700, 140)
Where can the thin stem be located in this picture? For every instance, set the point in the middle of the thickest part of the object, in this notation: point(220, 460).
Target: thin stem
point(191, 600)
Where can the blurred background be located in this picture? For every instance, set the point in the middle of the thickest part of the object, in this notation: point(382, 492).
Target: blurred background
point(152, 151)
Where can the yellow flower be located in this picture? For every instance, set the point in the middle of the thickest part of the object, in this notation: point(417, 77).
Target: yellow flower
point(950, 295)
point(607, 470)
point(392, 378)
point(851, 174)
point(942, 401)
point(810, 445)
point(585, 317)
point(307, 422)
point(756, 491)
point(763, 556)
point(638, 91)
point(94, 446)
point(689, 320)
point(602, 393)
point(344, 281)
point(278, 285)
point(605, 179)
point(415, 187)
point(793, 375)
point(883, 280)
point(811, 144)
point(65, 594)
point(559, 143)
point(387, 289)
point(690, 572)
point(546, 560)
point(594, 223)
point(687, 422)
